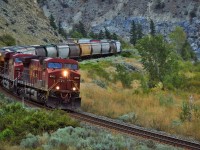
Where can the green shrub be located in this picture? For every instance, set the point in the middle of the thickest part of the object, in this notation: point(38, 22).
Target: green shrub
point(128, 54)
point(7, 40)
point(166, 100)
point(21, 121)
point(31, 141)
point(88, 137)
point(185, 111)
point(96, 69)
point(6, 134)
point(124, 76)
point(130, 117)
point(100, 83)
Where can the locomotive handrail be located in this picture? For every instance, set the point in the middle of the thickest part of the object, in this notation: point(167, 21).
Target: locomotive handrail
point(75, 85)
point(52, 87)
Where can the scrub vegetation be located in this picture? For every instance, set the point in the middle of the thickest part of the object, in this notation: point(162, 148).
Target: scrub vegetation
point(159, 88)
point(175, 111)
point(28, 128)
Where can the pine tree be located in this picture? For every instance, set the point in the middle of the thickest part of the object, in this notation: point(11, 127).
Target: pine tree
point(139, 33)
point(61, 31)
point(52, 22)
point(101, 35)
point(107, 34)
point(152, 28)
point(82, 29)
point(114, 36)
point(93, 35)
point(133, 32)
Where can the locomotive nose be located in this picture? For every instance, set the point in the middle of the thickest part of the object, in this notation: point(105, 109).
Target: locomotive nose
point(65, 73)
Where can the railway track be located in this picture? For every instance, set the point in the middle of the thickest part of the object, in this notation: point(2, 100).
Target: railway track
point(120, 126)
point(133, 130)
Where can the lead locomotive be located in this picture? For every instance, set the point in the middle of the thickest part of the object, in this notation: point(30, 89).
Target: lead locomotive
point(51, 81)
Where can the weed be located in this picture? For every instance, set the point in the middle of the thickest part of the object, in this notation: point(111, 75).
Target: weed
point(166, 100)
point(185, 111)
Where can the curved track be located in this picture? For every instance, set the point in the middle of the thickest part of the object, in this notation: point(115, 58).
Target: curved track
point(133, 130)
point(121, 127)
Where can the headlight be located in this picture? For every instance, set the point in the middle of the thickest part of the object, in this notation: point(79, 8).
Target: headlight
point(57, 88)
point(52, 76)
point(17, 69)
point(65, 73)
point(74, 89)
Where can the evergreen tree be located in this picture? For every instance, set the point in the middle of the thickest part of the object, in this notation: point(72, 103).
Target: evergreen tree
point(139, 32)
point(114, 36)
point(152, 28)
point(133, 32)
point(76, 34)
point(93, 35)
point(107, 34)
point(101, 35)
point(52, 22)
point(82, 29)
point(61, 31)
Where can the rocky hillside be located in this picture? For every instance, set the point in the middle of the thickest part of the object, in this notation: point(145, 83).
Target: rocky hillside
point(25, 21)
point(117, 15)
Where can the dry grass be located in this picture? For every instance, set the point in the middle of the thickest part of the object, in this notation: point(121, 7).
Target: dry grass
point(158, 109)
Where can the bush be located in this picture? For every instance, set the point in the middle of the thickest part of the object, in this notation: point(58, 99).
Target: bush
point(16, 121)
point(166, 100)
point(85, 138)
point(100, 83)
point(95, 69)
point(31, 141)
point(185, 112)
point(124, 76)
point(7, 40)
point(130, 117)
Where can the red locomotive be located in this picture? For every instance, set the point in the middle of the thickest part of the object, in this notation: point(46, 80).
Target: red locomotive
point(52, 81)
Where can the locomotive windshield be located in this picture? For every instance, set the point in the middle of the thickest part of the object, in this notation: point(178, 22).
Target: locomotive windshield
point(54, 65)
point(18, 60)
point(71, 66)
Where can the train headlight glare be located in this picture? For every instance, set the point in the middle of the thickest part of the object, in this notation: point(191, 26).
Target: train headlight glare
point(57, 88)
point(74, 89)
point(65, 73)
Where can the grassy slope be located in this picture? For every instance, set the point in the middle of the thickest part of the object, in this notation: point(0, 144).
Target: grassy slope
point(26, 22)
point(158, 109)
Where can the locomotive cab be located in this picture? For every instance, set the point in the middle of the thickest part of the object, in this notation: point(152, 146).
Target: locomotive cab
point(62, 80)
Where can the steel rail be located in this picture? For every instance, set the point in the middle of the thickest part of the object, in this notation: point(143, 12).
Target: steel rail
point(134, 130)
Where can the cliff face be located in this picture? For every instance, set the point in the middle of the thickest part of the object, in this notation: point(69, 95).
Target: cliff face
point(117, 15)
point(25, 21)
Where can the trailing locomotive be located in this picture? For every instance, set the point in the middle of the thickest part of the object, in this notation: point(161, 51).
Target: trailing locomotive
point(51, 81)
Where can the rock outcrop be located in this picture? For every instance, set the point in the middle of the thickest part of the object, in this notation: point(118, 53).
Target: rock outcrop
point(25, 21)
point(117, 15)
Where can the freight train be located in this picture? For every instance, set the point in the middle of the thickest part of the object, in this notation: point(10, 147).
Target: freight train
point(83, 49)
point(54, 82)
point(49, 74)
